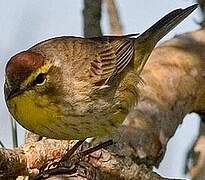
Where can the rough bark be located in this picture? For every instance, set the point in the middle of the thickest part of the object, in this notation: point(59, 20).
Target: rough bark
point(28, 159)
point(31, 137)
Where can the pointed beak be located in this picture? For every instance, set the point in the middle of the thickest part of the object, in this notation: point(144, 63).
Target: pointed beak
point(11, 92)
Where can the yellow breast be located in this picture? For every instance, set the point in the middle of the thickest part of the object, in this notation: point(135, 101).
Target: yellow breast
point(35, 113)
point(38, 114)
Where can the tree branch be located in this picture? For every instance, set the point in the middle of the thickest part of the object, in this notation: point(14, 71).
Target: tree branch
point(92, 17)
point(114, 20)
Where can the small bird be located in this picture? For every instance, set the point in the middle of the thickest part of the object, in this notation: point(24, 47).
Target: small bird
point(73, 88)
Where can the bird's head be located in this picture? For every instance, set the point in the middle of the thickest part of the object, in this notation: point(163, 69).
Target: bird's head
point(30, 90)
point(24, 72)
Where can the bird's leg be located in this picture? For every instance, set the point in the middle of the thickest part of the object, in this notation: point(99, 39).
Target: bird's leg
point(96, 148)
point(70, 163)
point(71, 151)
point(67, 156)
point(70, 156)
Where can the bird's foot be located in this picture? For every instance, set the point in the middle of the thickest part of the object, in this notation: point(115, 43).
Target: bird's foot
point(71, 164)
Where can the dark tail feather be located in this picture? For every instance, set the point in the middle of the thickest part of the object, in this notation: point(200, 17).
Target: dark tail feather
point(167, 23)
point(145, 43)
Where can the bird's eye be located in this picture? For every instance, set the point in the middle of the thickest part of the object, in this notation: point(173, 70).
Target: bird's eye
point(40, 79)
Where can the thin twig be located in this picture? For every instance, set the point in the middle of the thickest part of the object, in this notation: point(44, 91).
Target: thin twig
point(2, 145)
point(14, 132)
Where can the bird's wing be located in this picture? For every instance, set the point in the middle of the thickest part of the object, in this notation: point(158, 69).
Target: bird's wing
point(114, 54)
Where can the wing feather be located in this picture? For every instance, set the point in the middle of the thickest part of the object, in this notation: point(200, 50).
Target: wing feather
point(113, 56)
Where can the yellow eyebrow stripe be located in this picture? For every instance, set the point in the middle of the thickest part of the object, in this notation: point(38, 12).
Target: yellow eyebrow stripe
point(43, 69)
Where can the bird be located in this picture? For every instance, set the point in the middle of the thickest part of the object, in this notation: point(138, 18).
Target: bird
point(73, 88)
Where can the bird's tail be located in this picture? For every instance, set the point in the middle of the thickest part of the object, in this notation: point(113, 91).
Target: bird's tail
point(145, 43)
